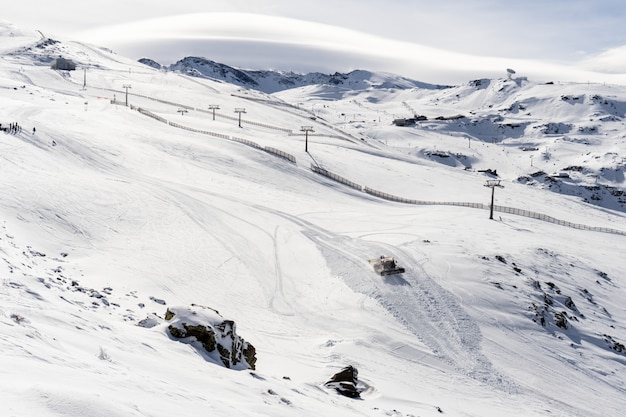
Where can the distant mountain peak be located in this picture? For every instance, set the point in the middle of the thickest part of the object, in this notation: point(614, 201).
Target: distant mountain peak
point(151, 63)
point(205, 68)
point(271, 81)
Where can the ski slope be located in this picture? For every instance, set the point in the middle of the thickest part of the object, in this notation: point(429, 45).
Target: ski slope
point(109, 216)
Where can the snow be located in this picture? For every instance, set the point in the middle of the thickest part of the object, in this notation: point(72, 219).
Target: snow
point(109, 217)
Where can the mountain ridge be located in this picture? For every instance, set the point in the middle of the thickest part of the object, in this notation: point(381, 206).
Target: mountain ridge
point(270, 81)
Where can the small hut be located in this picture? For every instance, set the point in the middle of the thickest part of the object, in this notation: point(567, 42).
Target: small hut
point(63, 64)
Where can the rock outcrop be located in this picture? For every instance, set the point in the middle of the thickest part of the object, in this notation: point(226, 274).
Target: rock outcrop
point(345, 382)
point(208, 331)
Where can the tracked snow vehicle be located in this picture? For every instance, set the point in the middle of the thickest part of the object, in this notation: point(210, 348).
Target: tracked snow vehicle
point(386, 265)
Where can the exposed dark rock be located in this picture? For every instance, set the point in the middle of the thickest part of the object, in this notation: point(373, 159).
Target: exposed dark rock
point(482, 83)
point(576, 168)
point(151, 63)
point(547, 298)
point(345, 382)
point(205, 327)
point(614, 344)
point(489, 171)
point(561, 320)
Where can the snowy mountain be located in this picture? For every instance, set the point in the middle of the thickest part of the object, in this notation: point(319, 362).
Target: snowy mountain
point(203, 213)
point(273, 81)
point(549, 130)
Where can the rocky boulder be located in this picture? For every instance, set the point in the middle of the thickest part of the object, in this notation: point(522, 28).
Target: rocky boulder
point(345, 382)
point(208, 331)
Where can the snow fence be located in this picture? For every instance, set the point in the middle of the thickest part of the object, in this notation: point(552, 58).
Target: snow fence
point(380, 194)
point(268, 149)
point(501, 209)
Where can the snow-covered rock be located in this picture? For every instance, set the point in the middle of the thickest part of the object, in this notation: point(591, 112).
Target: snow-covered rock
point(205, 328)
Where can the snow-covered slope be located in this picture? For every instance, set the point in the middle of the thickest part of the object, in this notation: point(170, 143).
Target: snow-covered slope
point(567, 138)
point(110, 216)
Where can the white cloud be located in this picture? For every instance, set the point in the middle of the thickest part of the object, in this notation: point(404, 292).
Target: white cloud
point(261, 41)
point(612, 61)
point(434, 41)
point(533, 29)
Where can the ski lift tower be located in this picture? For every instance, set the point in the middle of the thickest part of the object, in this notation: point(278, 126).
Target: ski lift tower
point(492, 184)
point(84, 79)
point(240, 110)
point(127, 86)
point(306, 130)
point(214, 107)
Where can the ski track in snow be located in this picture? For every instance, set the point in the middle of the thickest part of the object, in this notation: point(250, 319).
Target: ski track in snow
point(234, 233)
point(424, 307)
point(429, 311)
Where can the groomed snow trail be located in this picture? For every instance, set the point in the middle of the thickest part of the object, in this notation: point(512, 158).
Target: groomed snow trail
point(423, 306)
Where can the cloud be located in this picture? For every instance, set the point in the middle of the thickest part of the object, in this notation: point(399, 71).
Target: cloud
point(612, 61)
point(270, 42)
point(243, 27)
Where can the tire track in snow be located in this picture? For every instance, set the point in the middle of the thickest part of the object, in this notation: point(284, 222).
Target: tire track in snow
point(428, 310)
point(420, 304)
point(215, 222)
point(278, 290)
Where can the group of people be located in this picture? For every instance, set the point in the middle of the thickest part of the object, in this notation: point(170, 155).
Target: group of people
point(13, 128)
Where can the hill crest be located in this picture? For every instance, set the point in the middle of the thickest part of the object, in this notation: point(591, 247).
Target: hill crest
point(269, 81)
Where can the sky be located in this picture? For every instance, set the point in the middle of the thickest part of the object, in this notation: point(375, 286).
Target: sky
point(431, 41)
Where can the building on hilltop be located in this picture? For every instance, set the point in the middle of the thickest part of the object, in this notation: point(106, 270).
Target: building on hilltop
point(63, 64)
point(410, 121)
